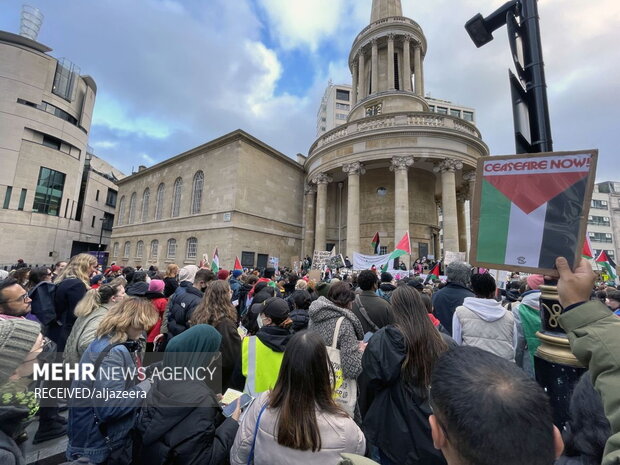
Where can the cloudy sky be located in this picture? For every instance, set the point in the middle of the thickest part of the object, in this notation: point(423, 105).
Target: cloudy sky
point(174, 74)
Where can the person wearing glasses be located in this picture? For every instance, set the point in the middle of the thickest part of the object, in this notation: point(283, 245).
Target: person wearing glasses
point(14, 300)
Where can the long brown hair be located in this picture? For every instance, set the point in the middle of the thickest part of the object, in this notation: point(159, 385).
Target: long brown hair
point(303, 386)
point(215, 305)
point(423, 343)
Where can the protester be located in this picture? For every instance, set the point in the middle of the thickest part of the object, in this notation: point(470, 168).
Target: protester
point(299, 421)
point(38, 275)
point(181, 421)
point(156, 297)
point(527, 324)
point(216, 310)
point(613, 301)
point(236, 286)
point(89, 312)
point(100, 430)
point(512, 295)
point(301, 301)
point(139, 286)
point(263, 292)
point(397, 368)
point(372, 311)
point(453, 294)
point(185, 299)
point(14, 300)
point(482, 321)
point(386, 287)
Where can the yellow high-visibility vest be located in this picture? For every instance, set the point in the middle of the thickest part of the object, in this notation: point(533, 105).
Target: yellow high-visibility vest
point(260, 365)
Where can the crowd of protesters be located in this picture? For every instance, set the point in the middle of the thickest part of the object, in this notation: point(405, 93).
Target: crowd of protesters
point(406, 371)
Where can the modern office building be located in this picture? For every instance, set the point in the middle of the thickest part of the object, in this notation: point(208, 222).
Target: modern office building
point(604, 219)
point(334, 108)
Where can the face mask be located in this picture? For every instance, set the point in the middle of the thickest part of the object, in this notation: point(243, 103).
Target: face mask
point(259, 321)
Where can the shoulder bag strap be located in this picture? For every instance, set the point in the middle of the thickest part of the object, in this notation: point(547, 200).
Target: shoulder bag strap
point(364, 313)
point(260, 414)
point(336, 332)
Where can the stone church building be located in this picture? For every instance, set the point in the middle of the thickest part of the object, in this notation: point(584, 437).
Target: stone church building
point(394, 166)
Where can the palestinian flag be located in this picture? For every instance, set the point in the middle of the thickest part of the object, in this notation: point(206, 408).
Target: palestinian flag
point(587, 249)
point(237, 265)
point(402, 248)
point(376, 244)
point(530, 209)
point(215, 262)
point(608, 264)
point(433, 274)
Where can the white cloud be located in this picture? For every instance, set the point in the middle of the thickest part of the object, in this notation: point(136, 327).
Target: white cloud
point(268, 70)
point(150, 160)
point(104, 144)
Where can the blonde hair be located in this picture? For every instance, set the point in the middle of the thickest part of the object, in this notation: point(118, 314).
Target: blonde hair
point(95, 298)
point(301, 285)
point(172, 270)
point(215, 305)
point(78, 267)
point(131, 312)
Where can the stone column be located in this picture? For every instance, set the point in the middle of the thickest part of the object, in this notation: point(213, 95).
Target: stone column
point(354, 85)
point(390, 60)
point(448, 203)
point(470, 178)
point(361, 71)
point(417, 69)
point(353, 170)
point(374, 67)
point(436, 245)
point(320, 231)
point(400, 166)
point(460, 208)
point(310, 192)
point(406, 64)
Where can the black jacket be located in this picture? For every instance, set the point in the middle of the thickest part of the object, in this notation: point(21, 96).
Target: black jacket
point(170, 286)
point(397, 418)
point(11, 424)
point(300, 319)
point(181, 309)
point(230, 348)
point(181, 423)
point(446, 300)
point(68, 293)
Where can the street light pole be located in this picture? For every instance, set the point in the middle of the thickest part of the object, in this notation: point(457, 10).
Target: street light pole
point(100, 234)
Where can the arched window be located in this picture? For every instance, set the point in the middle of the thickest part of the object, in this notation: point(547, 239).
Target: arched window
point(145, 204)
point(199, 180)
point(159, 201)
point(127, 249)
point(154, 249)
point(115, 250)
point(192, 248)
point(176, 197)
point(139, 249)
point(172, 248)
point(121, 211)
point(132, 209)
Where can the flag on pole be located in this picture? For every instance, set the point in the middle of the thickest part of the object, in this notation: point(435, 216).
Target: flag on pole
point(376, 244)
point(587, 249)
point(215, 262)
point(402, 248)
point(434, 272)
point(607, 264)
point(237, 264)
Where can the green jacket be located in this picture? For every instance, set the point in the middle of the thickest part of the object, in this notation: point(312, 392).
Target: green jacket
point(593, 331)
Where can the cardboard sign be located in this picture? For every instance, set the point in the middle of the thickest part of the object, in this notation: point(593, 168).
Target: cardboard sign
point(529, 209)
point(315, 275)
point(320, 258)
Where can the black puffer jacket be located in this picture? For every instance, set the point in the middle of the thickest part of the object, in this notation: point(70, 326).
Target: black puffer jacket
point(446, 300)
point(182, 423)
point(182, 306)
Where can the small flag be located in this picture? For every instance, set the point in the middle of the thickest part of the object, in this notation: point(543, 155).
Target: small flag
point(587, 249)
point(237, 264)
point(215, 262)
point(434, 272)
point(376, 243)
point(607, 263)
point(402, 248)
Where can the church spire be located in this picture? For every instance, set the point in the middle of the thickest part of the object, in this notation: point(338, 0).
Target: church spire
point(385, 9)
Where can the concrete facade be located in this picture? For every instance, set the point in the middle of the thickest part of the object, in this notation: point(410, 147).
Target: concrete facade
point(250, 203)
point(334, 108)
point(46, 108)
point(604, 219)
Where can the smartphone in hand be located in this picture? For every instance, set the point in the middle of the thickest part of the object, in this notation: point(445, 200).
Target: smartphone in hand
point(244, 400)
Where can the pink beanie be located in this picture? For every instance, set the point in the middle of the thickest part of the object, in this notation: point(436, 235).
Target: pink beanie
point(534, 281)
point(156, 285)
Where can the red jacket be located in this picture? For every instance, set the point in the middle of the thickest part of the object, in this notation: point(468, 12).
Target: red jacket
point(159, 304)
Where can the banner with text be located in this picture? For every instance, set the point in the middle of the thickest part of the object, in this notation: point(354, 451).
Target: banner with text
point(365, 262)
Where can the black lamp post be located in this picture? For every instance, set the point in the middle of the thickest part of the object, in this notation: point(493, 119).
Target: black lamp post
point(101, 234)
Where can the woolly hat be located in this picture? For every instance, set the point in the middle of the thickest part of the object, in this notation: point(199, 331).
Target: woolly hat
point(275, 308)
point(534, 281)
point(115, 268)
point(156, 285)
point(237, 273)
point(223, 274)
point(188, 273)
point(17, 336)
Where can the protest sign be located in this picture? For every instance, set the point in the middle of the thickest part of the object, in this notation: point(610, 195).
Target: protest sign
point(450, 257)
point(336, 261)
point(314, 275)
point(530, 209)
point(320, 259)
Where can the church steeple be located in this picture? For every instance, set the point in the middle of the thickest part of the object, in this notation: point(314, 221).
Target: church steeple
point(385, 9)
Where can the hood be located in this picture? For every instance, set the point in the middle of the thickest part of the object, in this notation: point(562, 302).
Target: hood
point(531, 299)
point(387, 348)
point(169, 403)
point(387, 287)
point(137, 289)
point(274, 337)
point(322, 310)
point(512, 295)
point(487, 309)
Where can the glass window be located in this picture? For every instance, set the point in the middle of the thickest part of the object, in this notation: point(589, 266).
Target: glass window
point(132, 209)
point(456, 113)
point(121, 211)
point(110, 200)
point(48, 193)
point(431, 108)
point(192, 248)
point(7, 196)
point(145, 204)
point(199, 178)
point(115, 250)
point(51, 142)
point(442, 110)
point(108, 221)
point(127, 249)
point(176, 197)
point(468, 116)
point(172, 248)
point(154, 248)
point(383, 249)
point(341, 116)
point(92, 222)
point(97, 196)
point(64, 79)
point(341, 106)
point(22, 199)
point(139, 249)
point(159, 201)
point(342, 94)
